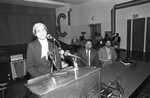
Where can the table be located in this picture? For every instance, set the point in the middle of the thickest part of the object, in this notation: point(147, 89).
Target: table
point(85, 85)
point(131, 76)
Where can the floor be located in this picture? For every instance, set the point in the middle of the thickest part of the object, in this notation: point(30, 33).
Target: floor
point(17, 89)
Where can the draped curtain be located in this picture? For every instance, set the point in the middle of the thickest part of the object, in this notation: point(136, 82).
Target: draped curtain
point(16, 23)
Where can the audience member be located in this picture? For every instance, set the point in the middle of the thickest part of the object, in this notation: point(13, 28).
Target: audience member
point(116, 42)
point(107, 53)
point(40, 52)
point(98, 37)
point(82, 38)
point(106, 37)
point(98, 40)
point(88, 54)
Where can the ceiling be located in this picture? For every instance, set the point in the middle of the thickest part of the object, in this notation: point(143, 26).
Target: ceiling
point(44, 3)
point(49, 3)
point(72, 1)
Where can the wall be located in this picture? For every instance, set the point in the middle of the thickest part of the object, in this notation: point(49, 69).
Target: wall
point(70, 29)
point(121, 1)
point(81, 17)
point(101, 9)
point(122, 15)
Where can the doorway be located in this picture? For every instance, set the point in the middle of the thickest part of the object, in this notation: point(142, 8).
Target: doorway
point(95, 30)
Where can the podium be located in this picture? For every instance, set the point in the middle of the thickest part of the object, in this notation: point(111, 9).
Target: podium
point(86, 85)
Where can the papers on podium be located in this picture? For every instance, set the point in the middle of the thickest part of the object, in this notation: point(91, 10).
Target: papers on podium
point(124, 62)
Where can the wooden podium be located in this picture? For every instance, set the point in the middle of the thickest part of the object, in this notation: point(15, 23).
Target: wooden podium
point(86, 84)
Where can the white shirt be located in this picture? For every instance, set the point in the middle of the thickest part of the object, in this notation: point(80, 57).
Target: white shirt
point(88, 55)
point(44, 50)
point(108, 53)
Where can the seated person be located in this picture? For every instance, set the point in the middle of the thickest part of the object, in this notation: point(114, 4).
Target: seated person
point(39, 53)
point(116, 42)
point(88, 54)
point(82, 36)
point(107, 53)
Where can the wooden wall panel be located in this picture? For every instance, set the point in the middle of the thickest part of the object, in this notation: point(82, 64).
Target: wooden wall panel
point(138, 34)
point(138, 38)
point(128, 37)
point(16, 22)
point(148, 35)
point(18, 9)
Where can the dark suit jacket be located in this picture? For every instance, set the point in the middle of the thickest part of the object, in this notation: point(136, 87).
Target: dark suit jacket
point(37, 66)
point(94, 59)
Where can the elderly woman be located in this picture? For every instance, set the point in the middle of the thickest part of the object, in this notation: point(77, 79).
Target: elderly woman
point(41, 54)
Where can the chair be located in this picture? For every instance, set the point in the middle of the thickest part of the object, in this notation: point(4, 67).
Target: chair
point(3, 87)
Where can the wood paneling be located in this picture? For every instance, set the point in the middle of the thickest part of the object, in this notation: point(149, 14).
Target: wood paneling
point(16, 22)
point(138, 38)
point(138, 34)
point(148, 35)
point(128, 38)
point(20, 9)
point(13, 49)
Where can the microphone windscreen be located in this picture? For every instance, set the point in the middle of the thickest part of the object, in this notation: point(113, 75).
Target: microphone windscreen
point(49, 36)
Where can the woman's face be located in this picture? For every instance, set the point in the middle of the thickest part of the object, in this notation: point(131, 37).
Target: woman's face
point(41, 32)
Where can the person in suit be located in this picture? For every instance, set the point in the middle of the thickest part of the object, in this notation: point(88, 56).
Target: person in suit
point(40, 53)
point(116, 42)
point(107, 53)
point(88, 54)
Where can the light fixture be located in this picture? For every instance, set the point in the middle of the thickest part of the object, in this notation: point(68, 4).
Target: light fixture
point(93, 18)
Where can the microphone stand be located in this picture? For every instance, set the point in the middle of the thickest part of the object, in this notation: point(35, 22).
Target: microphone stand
point(75, 67)
point(74, 57)
point(75, 63)
point(51, 59)
point(54, 52)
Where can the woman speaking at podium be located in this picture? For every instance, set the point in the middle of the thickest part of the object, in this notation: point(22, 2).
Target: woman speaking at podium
point(40, 53)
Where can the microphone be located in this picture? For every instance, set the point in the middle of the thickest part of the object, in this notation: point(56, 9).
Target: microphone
point(50, 37)
point(53, 39)
point(67, 53)
point(61, 52)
